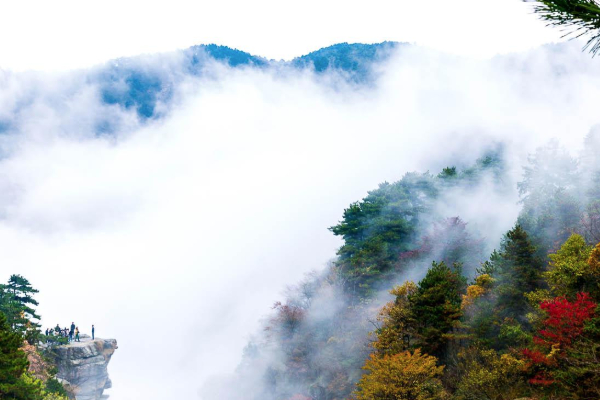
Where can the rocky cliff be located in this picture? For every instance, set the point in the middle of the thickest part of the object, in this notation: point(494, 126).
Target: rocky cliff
point(82, 367)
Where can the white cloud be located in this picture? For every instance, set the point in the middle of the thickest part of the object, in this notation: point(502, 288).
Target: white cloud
point(177, 236)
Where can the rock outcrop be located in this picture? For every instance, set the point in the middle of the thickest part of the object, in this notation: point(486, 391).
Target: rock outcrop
point(82, 367)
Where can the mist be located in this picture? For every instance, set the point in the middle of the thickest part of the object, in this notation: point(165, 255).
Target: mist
point(177, 234)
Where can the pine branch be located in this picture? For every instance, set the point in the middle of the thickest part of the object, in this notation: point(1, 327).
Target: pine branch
point(577, 18)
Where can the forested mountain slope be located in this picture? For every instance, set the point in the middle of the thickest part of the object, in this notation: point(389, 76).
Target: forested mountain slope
point(458, 322)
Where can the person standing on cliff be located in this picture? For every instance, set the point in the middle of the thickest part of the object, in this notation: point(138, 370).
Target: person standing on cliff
point(72, 331)
point(77, 334)
point(93, 331)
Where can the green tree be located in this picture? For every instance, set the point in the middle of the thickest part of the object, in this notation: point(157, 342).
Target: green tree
point(14, 383)
point(570, 271)
point(517, 270)
point(578, 17)
point(380, 227)
point(17, 303)
point(53, 386)
point(436, 306)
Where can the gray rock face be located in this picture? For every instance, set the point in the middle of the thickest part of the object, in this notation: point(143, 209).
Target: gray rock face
point(82, 367)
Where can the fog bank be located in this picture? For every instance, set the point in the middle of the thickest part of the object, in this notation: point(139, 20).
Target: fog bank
point(176, 235)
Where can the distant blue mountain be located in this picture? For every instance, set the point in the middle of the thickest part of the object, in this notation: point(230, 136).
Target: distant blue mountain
point(133, 87)
point(145, 84)
point(232, 57)
point(141, 83)
point(355, 59)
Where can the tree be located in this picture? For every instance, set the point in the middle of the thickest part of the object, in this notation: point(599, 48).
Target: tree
point(480, 287)
point(435, 306)
point(17, 303)
point(565, 354)
point(518, 270)
point(397, 327)
point(496, 308)
point(54, 387)
point(380, 227)
point(486, 375)
point(578, 17)
point(403, 376)
point(570, 271)
point(13, 366)
point(593, 271)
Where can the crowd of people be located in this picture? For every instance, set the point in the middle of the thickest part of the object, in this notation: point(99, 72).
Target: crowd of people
point(58, 334)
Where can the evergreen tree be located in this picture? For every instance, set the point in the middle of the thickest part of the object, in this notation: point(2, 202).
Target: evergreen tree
point(17, 302)
point(436, 305)
point(13, 365)
point(518, 270)
point(579, 17)
point(380, 227)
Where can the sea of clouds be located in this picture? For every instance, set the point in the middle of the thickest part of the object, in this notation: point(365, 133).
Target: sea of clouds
point(176, 234)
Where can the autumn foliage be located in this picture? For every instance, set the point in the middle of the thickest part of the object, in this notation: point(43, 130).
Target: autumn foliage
point(403, 376)
point(564, 324)
point(565, 320)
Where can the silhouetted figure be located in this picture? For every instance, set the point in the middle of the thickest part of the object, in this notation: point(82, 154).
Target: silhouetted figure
point(93, 331)
point(57, 330)
point(72, 331)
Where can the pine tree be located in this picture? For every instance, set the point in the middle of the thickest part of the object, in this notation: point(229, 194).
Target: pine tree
point(379, 228)
point(13, 364)
point(518, 270)
point(499, 318)
point(436, 306)
point(17, 302)
point(578, 17)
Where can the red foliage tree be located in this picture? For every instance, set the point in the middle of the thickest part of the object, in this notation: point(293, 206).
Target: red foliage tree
point(564, 324)
point(565, 320)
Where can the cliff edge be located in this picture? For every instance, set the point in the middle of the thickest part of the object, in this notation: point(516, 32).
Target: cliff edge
point(82, 367)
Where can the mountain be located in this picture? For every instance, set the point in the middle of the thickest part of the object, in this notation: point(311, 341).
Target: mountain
point(416, 307)
point(354, 59)
point(144, 83)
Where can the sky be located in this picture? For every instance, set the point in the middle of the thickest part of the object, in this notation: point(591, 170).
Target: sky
point(176, 236)
point(67, 34)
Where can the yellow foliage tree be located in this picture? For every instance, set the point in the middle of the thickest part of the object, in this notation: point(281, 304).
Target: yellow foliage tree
point(486, 375)
point(594, 261)
point(481, 286)
point(394, 334)
point(402, 376)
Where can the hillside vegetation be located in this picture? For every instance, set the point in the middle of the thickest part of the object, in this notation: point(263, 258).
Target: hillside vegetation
point(415, 306)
